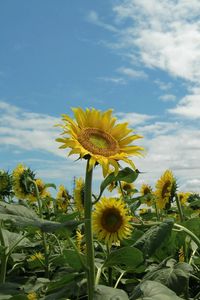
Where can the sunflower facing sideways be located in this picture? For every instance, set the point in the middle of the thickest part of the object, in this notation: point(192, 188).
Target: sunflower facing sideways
point(93, 134)
point(165, 189)
point(111, 220)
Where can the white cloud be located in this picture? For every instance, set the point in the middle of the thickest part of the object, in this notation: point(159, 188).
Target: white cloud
point(131, 73)
point(93, 17)
point(133, 118)
point(189, 107)
point(167, 97)
point(115, 80)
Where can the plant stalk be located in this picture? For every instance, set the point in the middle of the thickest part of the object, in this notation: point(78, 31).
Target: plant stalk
point(4, 257)
point(180, 211)
point(88, 232)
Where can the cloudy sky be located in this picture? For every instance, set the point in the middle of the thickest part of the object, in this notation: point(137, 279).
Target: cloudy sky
point(139, 57)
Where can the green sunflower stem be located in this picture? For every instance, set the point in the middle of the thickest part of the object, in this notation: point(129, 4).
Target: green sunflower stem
point(110, 279)
point(88, 232)
point(180, 211)
point(46, 255)
point(4, 257)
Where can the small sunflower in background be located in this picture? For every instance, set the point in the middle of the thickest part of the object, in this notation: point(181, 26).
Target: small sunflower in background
point(32, 296)
point(79, 194)
point(111, 220)
point(93, 134)
point(37, 256)
point(43, 192)
point(165, 190)
point(62, 198)
point(80, 241)
point(183, 197)
point(126, 188)
point(147, 191)
point(5, 184)
point(22, 182)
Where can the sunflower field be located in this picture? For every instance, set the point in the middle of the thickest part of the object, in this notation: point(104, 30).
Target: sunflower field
point(121, 242)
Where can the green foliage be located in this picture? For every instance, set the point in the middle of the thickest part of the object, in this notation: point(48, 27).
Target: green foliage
point(153, 238)
point(103, 292)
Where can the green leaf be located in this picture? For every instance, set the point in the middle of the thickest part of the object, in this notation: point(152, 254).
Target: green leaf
point(154, 237)
point(23, 217)
point(193, 225)
point(127, 256)
point(175, 275)
point(47, 185)
point(127, 175)
point(103, 292)
point(13, 240)
point(72, 258)
point(152, 290)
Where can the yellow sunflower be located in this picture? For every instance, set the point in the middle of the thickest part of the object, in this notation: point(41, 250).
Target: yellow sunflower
point(37, 256)
point(146, 190)
point(95, 135)
point(79, 194)
point(32, 296)
point(80, 241)
point(165, 189)
point(183, 197)
point(111, 220)
point(62, 198)
point(22, 185)
point(43, 192)
point(126, 188)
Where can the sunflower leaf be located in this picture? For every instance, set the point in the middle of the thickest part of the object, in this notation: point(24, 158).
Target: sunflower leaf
point(126, 175)
point(152, 290)
point(127, 256)
point(103, 292)
point(154, 237)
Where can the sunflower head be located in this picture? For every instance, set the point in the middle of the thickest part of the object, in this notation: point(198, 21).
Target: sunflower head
point(126, 188)
point(5, 184)
point(111, 220)
point(147, 192)
point(79, 194)
point(80, 241)
point(22, 182)
point(37, 256)
point(165, 190)
point(32, 296)
point(43, 192)
point(62, 198)
point(94, 135)
point(183, 197)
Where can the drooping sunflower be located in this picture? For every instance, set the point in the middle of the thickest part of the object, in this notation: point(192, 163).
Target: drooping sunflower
point(22, 185)
point(126, 188)
point(111, 220)
point(5, 184)
point(79, 194)
point(147, 191)
point(95, 135)
point(62, 198)
point(183, 197)
point(165, 189)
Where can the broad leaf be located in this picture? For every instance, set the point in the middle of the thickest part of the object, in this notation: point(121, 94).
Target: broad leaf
point(152, 290)
point(154, 237)
point(127, 256)
point(103, 292)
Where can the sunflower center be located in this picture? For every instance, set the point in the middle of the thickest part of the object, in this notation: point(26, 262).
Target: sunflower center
point(111, 220)
point(165, 188)
point(98, 142)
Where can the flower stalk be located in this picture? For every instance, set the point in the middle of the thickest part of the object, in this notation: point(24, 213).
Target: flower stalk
point(180, 211)
point(46, 255)
point(88, 232)
point(4, 257)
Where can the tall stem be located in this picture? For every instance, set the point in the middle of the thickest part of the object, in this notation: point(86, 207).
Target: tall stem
point(4, 257)
point(88, 232)
point(46, 256)
point(180, 211)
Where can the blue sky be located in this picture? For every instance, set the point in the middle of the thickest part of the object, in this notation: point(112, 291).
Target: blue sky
point(139, 57)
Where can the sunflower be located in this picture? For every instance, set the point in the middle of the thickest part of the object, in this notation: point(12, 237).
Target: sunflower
point(79, 194)
point(111, 220)
point(22, 182)
point(147, 192)
point(126, 188)
point(32, 296)
point(80, 241)
point(37, 256)
point(95, 135)
point(62, 198)
point(183, 197)
point(5, 184)
point(165, 190)
point(43, 192)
